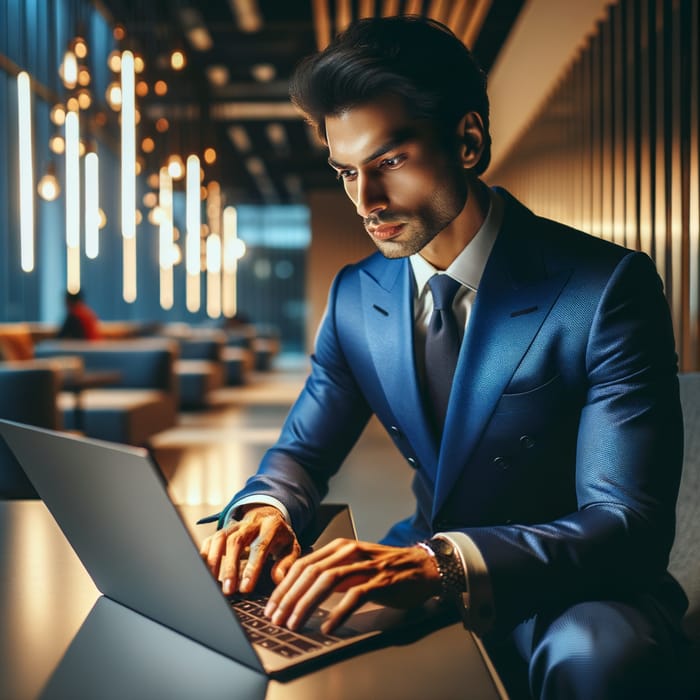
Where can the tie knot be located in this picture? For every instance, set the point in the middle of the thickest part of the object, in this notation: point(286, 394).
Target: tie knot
point(443, 289)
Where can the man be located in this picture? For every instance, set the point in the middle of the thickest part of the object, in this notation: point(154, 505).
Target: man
point(80, 321)
point(546, 477)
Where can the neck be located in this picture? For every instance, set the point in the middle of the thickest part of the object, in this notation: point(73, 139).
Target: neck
point(452, 240)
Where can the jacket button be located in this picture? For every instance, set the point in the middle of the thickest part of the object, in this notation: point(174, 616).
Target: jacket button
point(395, 432)
point(527, 442)
point(501, 463)
point(412, 461)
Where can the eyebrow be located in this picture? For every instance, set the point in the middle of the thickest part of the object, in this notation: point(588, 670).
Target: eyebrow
point(399, 138)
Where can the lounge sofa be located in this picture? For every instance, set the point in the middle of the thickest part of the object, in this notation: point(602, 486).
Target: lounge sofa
point(685, 555)
point(142, 399)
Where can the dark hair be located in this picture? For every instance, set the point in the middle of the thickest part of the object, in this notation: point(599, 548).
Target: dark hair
point(419, 59)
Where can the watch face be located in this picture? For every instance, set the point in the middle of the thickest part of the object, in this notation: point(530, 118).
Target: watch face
point(441, 546)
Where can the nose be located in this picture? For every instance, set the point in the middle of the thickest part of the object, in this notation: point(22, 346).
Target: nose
point(371, 197)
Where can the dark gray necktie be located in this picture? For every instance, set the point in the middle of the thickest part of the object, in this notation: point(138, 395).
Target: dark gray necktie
point(441, 348)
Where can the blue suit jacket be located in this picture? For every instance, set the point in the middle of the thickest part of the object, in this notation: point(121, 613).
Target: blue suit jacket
point(562, 447)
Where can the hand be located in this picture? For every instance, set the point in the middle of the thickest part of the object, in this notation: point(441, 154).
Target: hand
point(261, 534)
point(401, 577)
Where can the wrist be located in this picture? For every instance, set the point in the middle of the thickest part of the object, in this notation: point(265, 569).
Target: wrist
point(448, 564)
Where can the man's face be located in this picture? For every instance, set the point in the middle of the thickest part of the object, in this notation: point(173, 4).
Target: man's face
point(406, 185)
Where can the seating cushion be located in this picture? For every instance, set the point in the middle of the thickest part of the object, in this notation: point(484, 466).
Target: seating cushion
point(130, 416)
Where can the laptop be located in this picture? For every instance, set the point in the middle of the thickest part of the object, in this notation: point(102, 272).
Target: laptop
point(112, 504)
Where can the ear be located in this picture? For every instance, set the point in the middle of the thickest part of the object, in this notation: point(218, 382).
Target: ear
point(471, 136)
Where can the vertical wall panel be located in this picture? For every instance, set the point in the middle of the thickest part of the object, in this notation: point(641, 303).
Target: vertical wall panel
point(694, 186)
point(626, 166)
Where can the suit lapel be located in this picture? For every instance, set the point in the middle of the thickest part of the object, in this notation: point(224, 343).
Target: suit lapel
point(507, 314)
point(388, 311)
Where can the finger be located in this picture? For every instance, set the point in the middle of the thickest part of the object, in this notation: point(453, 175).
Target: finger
point(228, 572)
point(285, 561)
point(217, 547)
point(307, 585)
point(322, 587)
point(351, 601)
point(259, 552)
point(306, 569)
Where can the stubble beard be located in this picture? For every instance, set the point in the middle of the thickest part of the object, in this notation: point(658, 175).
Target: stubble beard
point(425, 225)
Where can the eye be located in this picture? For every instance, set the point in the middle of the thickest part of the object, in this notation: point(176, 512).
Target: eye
point(345, 175)
point(394, 162)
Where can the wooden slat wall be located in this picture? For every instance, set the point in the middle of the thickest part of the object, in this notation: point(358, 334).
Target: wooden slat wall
point(615, 149)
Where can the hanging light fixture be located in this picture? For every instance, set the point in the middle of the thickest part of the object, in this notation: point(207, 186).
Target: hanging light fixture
point(128, 175)
point(165, 240)
point(92, 205)
point(49, 187)
point(229, 302)
point(72, 131)
point(26, 172)
point(69, 69)
point(193, 239)
point(214, 275)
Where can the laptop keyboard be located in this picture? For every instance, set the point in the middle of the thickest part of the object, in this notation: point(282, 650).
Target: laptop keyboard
point(281, 640)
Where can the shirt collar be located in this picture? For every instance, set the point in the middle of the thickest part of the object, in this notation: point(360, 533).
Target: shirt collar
point(468, 267)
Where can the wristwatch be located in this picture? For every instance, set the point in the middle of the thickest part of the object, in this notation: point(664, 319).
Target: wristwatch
point(453, 582)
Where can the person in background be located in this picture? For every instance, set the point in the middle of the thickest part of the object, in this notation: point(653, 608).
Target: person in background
point(526, 371)
point(81, 321)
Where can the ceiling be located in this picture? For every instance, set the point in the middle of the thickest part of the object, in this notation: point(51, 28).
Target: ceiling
point(232, 93)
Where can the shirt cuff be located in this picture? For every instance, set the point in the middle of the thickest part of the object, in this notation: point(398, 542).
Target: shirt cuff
point(258, 499)
point(478, 612)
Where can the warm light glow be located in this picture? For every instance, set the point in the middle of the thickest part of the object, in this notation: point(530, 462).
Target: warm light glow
point(83, 77)
point(72, 127)
point(160, 88)
point(114, 96)
point(209, 156)
point(177, 60)
point(84, 99)
point(48, 187)
point(139, 65)
point(26, 173)
point(148, 145)
point(150, 199)
point(72, 104)
point(58, 114)
point(142, 88)
point(128, 155)
point(80, 47)
point(119, 32)
point(193, 240)
point(69, 70)
point(176, 167)
point(103, 218)
point(129, 278)
point(114, 61)
point(165, 239)
point(57, 144)
point(92, 206)
point(214, 276)
point(230, 263)
point(162, 125)
point(73, 269)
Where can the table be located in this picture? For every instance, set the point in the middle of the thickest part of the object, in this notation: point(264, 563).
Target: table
point(59, 638)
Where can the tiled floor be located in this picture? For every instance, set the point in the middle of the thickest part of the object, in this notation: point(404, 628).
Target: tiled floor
point(209, 455)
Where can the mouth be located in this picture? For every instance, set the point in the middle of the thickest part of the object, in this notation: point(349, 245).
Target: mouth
point(385, 232)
